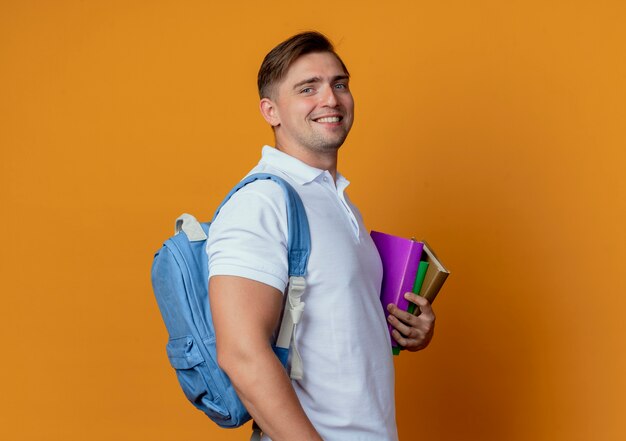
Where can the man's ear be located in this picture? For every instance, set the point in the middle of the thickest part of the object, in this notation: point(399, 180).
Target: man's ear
point(269, 112)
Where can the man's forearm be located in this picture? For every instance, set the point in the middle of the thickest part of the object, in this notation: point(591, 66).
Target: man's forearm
point(245, 313)
point(265, 389)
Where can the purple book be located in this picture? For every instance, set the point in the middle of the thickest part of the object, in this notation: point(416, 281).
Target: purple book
point(400, 259)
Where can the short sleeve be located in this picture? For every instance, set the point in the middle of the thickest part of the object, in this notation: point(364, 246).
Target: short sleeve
point(249, 236)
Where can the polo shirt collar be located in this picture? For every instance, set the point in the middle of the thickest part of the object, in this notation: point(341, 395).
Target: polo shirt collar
point(297, 170)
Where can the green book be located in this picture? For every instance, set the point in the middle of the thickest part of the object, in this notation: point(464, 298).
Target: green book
point(419, 280)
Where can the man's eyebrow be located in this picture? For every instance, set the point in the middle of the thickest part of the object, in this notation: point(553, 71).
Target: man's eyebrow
point(318, 79)
point(307, 81)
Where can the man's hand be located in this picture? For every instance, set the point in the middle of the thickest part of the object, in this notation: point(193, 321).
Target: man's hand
point(412, 332)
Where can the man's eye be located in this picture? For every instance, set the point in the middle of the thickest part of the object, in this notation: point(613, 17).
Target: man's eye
point(307, 90)
point(341, 86)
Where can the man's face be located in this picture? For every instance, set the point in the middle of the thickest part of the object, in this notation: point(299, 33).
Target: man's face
point(313, 105)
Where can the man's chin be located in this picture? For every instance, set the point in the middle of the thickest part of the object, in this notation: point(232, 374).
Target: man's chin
point(328, 145)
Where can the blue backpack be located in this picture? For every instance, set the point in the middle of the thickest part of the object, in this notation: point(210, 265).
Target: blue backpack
point(180, 275)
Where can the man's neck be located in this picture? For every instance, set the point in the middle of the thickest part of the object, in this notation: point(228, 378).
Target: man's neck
point(323, 161)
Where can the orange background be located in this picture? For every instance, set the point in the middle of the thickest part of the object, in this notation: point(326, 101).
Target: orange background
point(495, 130)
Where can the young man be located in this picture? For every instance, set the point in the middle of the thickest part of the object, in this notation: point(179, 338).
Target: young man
point(347, 392)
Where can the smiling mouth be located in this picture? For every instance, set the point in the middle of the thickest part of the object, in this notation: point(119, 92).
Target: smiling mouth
point(329, 119)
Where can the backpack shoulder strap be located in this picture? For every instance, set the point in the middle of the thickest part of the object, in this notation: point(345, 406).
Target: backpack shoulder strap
point(299, 236)
point(298, 251)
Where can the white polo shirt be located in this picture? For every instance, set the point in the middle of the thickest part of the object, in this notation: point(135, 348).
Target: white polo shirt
point(348, 386)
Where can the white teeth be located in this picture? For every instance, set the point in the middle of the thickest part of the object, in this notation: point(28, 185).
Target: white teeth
point(330, 119)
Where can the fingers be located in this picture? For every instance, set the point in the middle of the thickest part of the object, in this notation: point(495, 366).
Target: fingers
point(419, 340)
point(412, 344)
point(425, 310)
point(404, 316)
point(413, 332)
point(423, 305)
point(398, 318)
point(416, 328)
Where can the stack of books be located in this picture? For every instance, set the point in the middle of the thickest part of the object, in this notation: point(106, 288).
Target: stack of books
point(408, 266)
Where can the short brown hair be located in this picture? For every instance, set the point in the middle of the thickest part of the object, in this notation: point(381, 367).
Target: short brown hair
point(278, 61)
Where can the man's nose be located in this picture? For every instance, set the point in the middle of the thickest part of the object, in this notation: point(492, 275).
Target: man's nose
point(329, 98)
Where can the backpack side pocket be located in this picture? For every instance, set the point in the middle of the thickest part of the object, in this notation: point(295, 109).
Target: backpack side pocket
point(194, 376)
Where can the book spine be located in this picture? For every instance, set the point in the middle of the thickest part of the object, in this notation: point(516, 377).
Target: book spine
point(433, 289)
